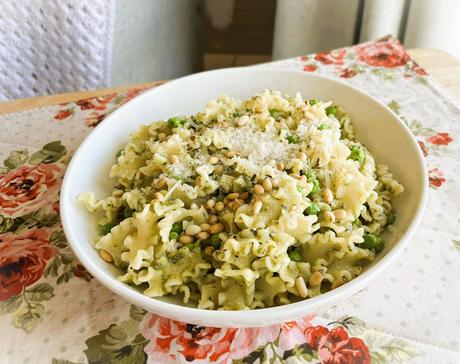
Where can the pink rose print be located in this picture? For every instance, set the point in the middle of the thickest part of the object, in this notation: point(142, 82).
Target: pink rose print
point(292, 333)
point(419, 71)
point(23, 258)
point(346, 73)
point(423, 148)
point(336, 347)
point(28, 188)
point(440, 139)
point(173, 341)
point(386, 52)
point(309, 68)
point(63, 114)
point(332, 57)
point(435, 177)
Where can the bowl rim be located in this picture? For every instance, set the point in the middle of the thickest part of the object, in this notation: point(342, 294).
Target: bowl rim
point(242, 318)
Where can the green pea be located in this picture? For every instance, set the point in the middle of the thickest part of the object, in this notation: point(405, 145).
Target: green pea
point(177, 227)
point(295, 256)
point(127, 212)
point(108, 227)
point(173, 235)
point(313, 102)
point(323, 126)
point(373, 242)
point(274, 113)
point(315, 188)
point(331, 110)
point(174, 122)
point(311, 178)
point(292, 139)
point(192, 246)
point(119, 153)
point(313, 209)
point(357, 153)
point(215, 241)
point(391, 218)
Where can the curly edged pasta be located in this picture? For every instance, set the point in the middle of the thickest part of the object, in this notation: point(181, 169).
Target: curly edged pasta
point(247, 204)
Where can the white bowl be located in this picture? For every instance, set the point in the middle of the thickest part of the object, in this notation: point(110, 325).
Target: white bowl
point(376, 126)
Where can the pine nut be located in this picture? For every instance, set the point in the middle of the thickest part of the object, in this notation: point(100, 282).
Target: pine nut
point(160, 183)
point(223, 124)
point(257, 207)
point(220, 206)
point(233, 206)
point(185, 239)
point(244, 195)
point(267, 183)
point(158, 196)
point(213, 160)
point(173, 159)
point(192, 229)
point(280, 166)
point(275, 183)
point(329, 216)
point(243, 120)
point(337, 284)
point(259, 190)
point(205, 227)
point(209, 204)
point(117, 193)
point(230, 153)
point(216, 228)
point(233, 196)
point(161, 137)
point(340, 214)
point(106, 256)
point(301, 287)
point(302, 156)
point(203, 235)
point(212, 219)
point(327, 195)
point(315, 279)
point(209, 250)
point(239, 201)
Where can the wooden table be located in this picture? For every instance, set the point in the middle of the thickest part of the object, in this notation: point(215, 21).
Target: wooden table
point(440, 65)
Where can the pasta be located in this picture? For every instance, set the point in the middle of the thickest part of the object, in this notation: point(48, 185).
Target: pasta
point(247, 204)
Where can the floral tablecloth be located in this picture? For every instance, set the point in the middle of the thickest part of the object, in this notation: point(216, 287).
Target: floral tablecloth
point(53, 311)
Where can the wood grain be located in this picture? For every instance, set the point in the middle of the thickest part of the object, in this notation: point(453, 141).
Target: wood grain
point(440, 65)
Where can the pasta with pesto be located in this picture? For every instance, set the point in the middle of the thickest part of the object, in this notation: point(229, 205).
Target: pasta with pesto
point(247, 204)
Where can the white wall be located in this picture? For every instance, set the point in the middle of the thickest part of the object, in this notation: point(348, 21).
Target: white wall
point(154, 40)
point(305, 26)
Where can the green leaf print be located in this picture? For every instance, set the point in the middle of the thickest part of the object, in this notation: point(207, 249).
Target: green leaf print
point(62, 361)
point(115, 345)
point(456, 244)
point(50, 153)
point(16, 159)
point(6, 224)
point(11, 304)
point(136, 313)
point(27, 317)
point(40, 292)
point(302, 351)
point(396, 351)
point(394, 105)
